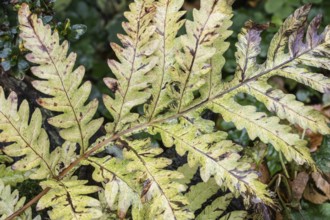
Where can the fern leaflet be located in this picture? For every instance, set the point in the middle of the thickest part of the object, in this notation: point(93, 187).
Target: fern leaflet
point(59, 81)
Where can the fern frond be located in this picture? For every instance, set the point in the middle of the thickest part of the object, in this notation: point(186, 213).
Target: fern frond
point(251, 78)
point(121, 190)
point(11, 177)
point(316, 81)
point(291, 36)
point(107, 213)
point(197, 194)
point(160, 188)
point(63, 156)
point(295, 22)
point(173, 82)
point(215, 155)
point(29, 141)
point(167, 26)
point(197, 51)
point(203, 192)
point(59, 80)
point(268, 129)
point(144, 173)
point(217, 208)
point(11, 202)
point(68, 200)
point(133, 72)
point(4, 158)
point(213, 87)
point(248, 48)
point(25, 136)
point(314, 52)
point(287, 107)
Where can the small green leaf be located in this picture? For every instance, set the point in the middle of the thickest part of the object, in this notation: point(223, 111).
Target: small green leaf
point(6, 65)
point(312, 211)
point(47, 19)
point(5, 52)
point(61, 5)
point(77, 31)
point(272, 6)
point(23, 65)
point(322, 155)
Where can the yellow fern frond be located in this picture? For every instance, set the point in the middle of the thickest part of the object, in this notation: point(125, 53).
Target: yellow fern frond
point(59, 80)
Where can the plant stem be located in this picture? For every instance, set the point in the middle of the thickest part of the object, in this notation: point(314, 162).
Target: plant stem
point(283, 166)
point(303, 134)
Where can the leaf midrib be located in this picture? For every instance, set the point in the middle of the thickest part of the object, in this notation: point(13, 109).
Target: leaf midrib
point(28, 144)
point(113, 173)
point(132, 65)
point(206, 155)
point(62, 84)
point(168, 201)
point(192, 64)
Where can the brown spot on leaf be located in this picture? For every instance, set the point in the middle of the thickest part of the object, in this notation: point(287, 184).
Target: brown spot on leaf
point(192, 52)
point(111, 84)
point(146, 187)
point(259, 27)
point(40, 102)
point(150, 9)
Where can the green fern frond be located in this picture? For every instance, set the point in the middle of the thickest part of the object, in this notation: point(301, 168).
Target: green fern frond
point(133, 71)
point(11, 177)
point(215, 155)
point(11, 202)
point(25, 136)
point(107, 213)
point(214, 85)
point(4, 158)
point(29, 141)
point(121, 190)
point(63, 156)
point(202, 193)
point(251, 78)
point(248, 48)
point(144, 174)
point(295, 22)
point(59, 80)
point(287, 107)
point(316, 81)
point(167, 22)
point(268, 129)
point(118, 190)
point(163, 84)
point(160, 188)
point(217, 208)
point(197, 51)
point(69, 201)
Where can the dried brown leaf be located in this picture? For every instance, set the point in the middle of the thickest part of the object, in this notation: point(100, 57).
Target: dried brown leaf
point(298, 185)
point(314, 196)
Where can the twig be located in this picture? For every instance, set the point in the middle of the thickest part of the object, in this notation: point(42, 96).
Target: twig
point(283, 166)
